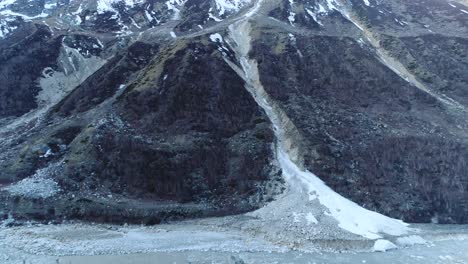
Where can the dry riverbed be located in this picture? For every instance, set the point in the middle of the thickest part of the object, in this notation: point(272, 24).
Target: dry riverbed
point(205, 242)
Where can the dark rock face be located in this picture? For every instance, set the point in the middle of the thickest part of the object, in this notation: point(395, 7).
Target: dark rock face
point(185, 136)
point(195, 13)
point(21, 65)
point(110, 77)
point(202, 135)
point(439, 61)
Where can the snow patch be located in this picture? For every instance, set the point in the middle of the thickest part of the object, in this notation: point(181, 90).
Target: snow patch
point(210, 15)
point(331, 4)
point(107, 5)
point(174, 6)
point(216, 37)
point(78, 11)
point(321, 9)
point(350, 216)
point(292, 15)
point(25, 17)
point(291, 18)
point(6, 28)
point(224, 6)
point(366, 2)
point(361, 42)
point(352, 20)
point(77, 20)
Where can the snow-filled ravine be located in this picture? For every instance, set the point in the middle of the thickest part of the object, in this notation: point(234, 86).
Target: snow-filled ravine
point(307, 197)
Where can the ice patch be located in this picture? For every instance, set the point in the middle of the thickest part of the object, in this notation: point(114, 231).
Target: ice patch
point(383, 245)
point(311, 219)
point(173, 34)
point(366, 2)
point(296, 217)
point(447, 258)
point(410, 241)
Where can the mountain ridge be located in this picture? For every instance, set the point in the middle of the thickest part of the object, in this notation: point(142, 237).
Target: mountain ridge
point(138, 112)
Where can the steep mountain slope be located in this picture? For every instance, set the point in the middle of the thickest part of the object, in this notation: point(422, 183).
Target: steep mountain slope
point(374, 132)
point(148, 111)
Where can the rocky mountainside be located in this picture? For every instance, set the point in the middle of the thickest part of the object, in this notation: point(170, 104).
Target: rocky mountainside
point(153, 110)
